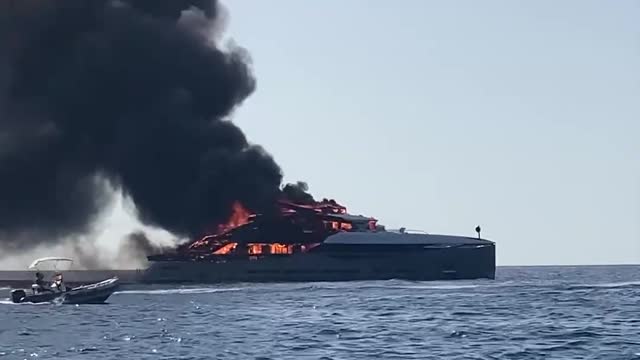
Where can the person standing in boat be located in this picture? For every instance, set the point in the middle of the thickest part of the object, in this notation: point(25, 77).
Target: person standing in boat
point(39, 285)
point(58, 283)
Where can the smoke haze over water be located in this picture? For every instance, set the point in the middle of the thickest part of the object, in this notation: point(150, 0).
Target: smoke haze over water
point(132, 95)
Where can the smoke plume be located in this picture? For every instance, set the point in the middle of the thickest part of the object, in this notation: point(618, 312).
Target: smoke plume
point(131, 93)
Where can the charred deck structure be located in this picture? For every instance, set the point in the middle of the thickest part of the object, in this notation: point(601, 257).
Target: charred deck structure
point(320, 242)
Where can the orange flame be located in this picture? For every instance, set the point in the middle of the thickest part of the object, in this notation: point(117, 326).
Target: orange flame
point(240, 216)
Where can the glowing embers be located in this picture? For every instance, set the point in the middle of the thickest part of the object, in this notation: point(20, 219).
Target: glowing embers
point(338, 226)
point(269, 249)
point(227, 249)
point(205, 241)
point(281, 249)
point(255, 249)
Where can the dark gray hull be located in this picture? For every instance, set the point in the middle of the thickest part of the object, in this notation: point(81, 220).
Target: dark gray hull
point(440, 264)
point(437, 264)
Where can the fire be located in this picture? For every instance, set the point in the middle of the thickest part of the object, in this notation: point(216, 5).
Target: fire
point(239, 217)
point(257, 249)
point(226, 249)
point(338, 226)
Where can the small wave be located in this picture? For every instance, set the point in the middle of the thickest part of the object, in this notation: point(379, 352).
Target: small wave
point(439, 287)
point(625, 284)
point(177, 291)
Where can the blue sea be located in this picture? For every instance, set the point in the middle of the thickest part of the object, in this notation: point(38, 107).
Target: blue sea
point(526, 313)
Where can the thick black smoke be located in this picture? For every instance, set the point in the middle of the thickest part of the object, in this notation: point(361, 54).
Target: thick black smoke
point(298, 193)
point(131, 92)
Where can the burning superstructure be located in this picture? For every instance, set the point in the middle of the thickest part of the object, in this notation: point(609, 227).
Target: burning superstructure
point(294, 228)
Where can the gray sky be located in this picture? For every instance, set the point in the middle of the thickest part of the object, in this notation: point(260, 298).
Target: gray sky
point(441, 115)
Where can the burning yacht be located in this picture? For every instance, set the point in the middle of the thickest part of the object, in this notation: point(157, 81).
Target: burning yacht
point(320, 242)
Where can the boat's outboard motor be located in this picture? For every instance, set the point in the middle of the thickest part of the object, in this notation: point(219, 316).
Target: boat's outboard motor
point(18, 295)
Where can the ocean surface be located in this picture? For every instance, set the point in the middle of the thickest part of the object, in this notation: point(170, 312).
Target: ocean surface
point(526, 313)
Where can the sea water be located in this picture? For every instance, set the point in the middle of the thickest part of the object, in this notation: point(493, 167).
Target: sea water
point(526, 313)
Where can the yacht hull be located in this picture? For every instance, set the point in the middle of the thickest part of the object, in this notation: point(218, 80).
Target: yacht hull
point(425, 265)
point(409, 264)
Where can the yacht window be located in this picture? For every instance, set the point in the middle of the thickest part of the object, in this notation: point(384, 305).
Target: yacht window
point(255, 249)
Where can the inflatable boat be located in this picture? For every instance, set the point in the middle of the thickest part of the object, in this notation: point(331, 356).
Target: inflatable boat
point(96, 293)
